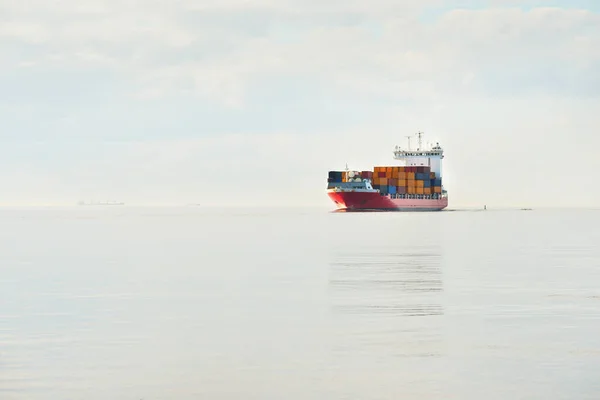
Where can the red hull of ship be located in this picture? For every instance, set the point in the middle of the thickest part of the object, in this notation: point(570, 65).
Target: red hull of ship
point(375, 201)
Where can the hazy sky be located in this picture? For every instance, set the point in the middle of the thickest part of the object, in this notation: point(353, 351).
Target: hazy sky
point(252, 102)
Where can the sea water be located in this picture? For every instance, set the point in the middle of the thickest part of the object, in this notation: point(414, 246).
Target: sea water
point(181, 303)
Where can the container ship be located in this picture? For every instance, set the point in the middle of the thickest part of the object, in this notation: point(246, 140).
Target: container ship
point(414, 186)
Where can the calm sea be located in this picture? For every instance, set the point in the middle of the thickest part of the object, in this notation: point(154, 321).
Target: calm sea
point(190, 303)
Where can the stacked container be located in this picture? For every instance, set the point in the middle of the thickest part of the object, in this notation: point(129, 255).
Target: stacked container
point(394, 179)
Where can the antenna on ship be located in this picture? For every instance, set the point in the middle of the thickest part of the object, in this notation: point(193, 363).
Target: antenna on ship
point(419, 135)
point(409, 141)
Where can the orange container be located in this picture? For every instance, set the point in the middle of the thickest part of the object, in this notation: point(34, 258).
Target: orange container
point(410, 190)
point(410, 182)
point(420, 184)
point(383, 181)
point(410, 176)
point(437, 189)
point(427, 190)
point(402, 175)
point(401, 182)
point(420, 190)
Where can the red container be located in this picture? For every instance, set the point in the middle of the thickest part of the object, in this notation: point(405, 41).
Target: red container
point(381, 174)
point(401, 189)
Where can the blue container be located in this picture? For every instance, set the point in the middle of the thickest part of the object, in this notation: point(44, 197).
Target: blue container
point(384, 189)
point(392, 189)
point(437, 182)
point(421, 176)
point(335, 176)
point(427, 183)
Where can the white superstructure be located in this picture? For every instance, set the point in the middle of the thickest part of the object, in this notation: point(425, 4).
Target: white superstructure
point(429, 157)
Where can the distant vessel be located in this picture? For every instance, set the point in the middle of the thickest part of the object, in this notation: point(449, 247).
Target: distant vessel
point(415, 186)
point(101, 203)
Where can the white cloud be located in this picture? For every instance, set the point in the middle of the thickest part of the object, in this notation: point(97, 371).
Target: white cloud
point(217, 48)
point(288, 78)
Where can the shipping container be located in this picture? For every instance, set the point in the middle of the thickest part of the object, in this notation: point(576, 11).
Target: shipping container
point(402, 176)
point(420, 184)
point(410, 176)
point(427, 184)
point(410, 182)
point(401, 182)
point(437, 189)
point(401, 189)
point(427, 190)
point(392, 189)
point(384, 189)
point(411, 190)
point(432, 175)
point(420, 190)
point(335, 176)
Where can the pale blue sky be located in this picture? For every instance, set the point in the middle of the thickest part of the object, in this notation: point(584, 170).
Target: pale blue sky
point(161, 102)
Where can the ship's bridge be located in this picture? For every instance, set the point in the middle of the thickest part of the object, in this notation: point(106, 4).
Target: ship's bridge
point(430, 155)
point(401, 154)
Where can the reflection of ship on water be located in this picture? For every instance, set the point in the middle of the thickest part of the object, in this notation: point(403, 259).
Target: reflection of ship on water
point(389, 300)
point(390, 283)
point(101, 203)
